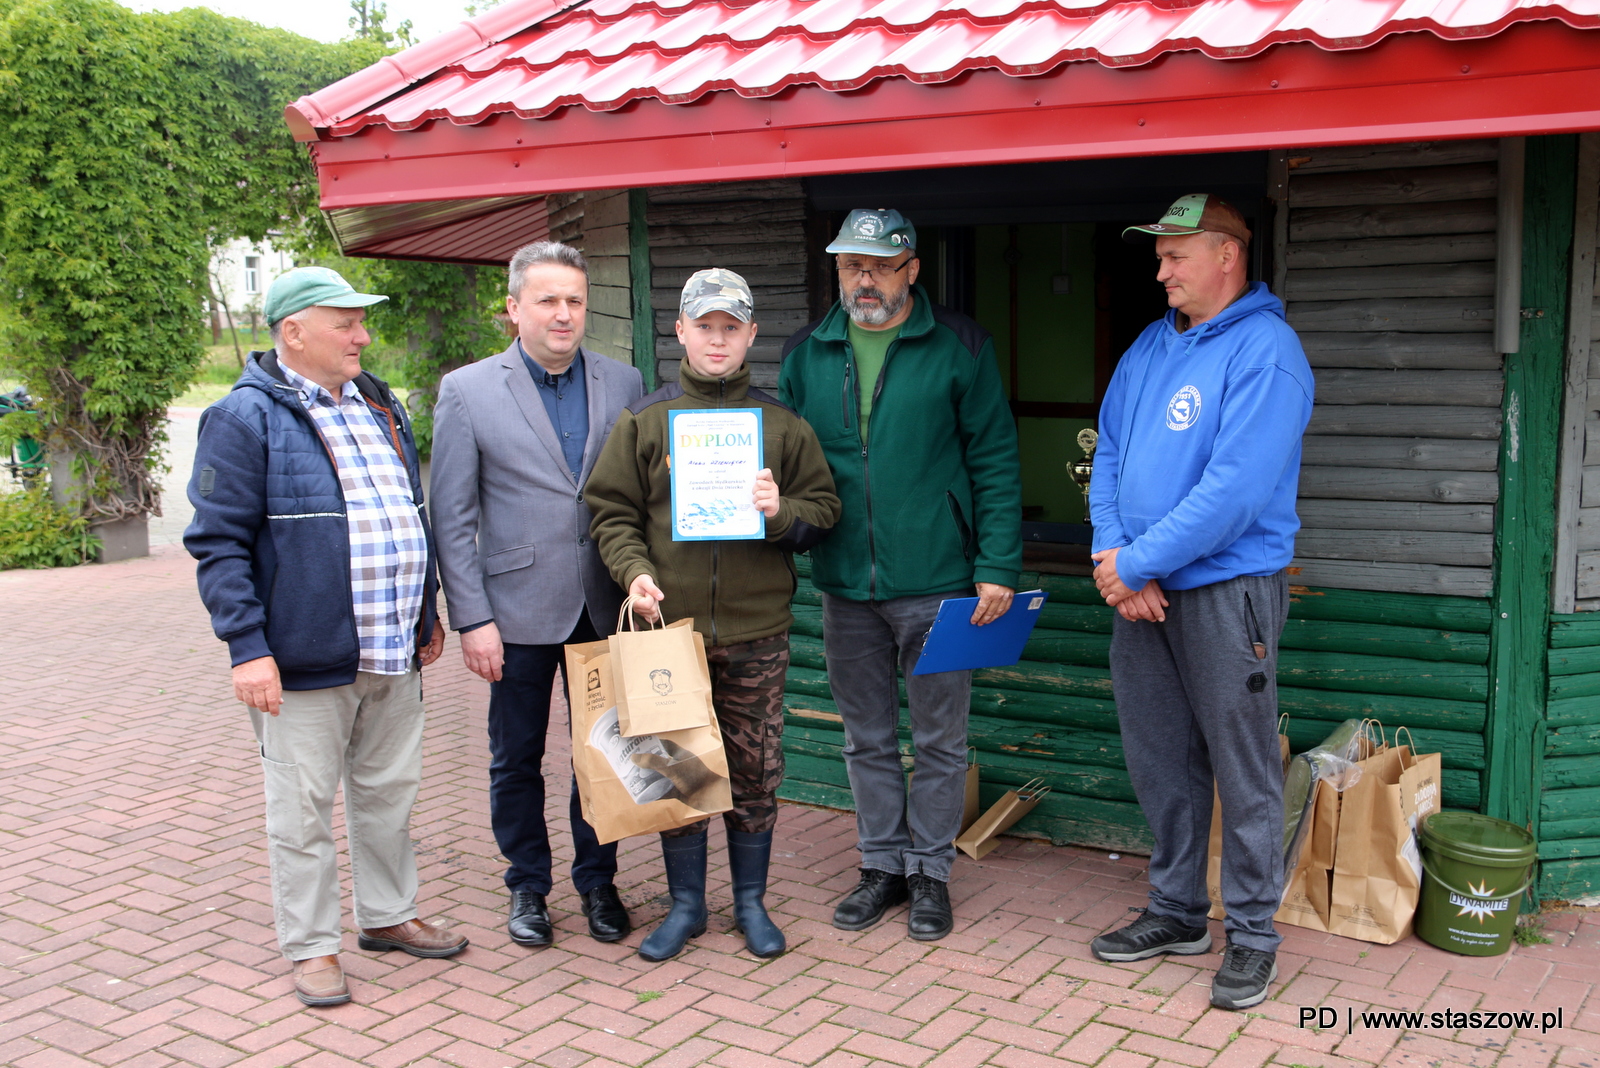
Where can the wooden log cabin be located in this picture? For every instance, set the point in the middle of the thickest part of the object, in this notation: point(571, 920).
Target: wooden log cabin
point(1424, 197)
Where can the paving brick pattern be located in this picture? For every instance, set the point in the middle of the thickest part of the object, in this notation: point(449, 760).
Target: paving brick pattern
point(135, 918)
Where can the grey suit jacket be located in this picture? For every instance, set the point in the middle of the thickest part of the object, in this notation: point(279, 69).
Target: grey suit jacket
point(511, 524)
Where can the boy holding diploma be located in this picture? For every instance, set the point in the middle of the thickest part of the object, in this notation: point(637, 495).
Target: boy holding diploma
point(724, 561)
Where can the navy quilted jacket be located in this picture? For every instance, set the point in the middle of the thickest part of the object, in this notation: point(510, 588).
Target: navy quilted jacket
point(269, 529)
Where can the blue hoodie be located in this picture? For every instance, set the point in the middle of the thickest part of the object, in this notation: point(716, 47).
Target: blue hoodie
point(1198, 464)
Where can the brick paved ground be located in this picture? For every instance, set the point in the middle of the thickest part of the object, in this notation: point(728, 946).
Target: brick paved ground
point(134, 916)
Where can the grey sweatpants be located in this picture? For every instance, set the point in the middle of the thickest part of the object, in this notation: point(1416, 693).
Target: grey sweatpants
point(863, 643)
point(1195, 703)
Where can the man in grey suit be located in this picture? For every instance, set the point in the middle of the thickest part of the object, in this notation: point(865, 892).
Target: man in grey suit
point(514, 439)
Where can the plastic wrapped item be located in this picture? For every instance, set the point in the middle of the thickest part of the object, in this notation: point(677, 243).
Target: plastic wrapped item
point(1333, 760)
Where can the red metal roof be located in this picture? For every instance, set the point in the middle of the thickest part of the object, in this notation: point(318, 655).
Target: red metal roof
point(531, 58)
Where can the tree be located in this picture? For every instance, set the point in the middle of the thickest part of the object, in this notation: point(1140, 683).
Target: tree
point(368, 20)
point(133, 143)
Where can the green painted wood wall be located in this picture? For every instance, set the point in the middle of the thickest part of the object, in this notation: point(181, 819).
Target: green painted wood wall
point(1414, 660)
point(1569, 801)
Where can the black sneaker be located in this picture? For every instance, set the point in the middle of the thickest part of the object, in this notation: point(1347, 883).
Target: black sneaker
point(1242, 980)
point(1149, 936)
point(874, 895)
point(930, 918)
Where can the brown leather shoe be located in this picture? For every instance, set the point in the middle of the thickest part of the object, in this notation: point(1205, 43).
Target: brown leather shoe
point(416, 937)
point(320, 981)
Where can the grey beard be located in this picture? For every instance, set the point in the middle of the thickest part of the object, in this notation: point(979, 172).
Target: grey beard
point(873, 315)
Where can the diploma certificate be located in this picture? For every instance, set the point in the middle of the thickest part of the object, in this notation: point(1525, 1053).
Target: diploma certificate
point(714, 456)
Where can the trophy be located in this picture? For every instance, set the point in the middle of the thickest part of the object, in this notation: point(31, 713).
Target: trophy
point(1082, 470)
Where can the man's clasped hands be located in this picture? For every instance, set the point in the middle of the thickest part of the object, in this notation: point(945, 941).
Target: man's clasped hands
point(1147, 602)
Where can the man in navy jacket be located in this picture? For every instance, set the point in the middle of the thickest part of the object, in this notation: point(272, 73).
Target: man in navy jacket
point(1193, 503)
point(316, 563)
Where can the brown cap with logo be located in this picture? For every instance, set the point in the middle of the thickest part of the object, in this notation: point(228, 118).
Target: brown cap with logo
point(1193, 214)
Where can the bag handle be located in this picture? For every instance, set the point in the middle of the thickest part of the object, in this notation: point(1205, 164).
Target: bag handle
point(972, 755)
point(1032, 790)
point(1366, 733)
point(1413, 745)
point(1283, 723)
point(626, 617)
point(1467, 893)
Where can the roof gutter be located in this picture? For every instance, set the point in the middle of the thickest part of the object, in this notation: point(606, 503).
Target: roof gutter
point(352, 95)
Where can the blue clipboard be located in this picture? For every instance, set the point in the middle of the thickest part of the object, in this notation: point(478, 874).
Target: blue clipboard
point(954, 644)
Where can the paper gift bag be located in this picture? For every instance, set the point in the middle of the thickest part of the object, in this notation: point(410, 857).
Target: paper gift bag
point(661, 677)
point(639, 784)
point(1307, 891)
point(984, 834)
point(1214, 852)
point(1377, 871)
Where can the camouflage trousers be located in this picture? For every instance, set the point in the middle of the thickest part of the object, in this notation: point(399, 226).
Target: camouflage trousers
point(747, 692)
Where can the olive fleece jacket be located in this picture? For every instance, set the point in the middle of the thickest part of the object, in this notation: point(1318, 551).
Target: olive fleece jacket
point(736, 591)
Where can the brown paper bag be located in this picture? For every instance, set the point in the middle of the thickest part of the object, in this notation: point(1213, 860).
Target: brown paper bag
point(661, 677)
point(1214, 852)
point(644, 783)
point(1308, 891)
point(1377, 872)
point(980, 839)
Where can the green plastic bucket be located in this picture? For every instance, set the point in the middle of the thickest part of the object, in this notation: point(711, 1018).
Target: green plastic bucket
point(1476, 870)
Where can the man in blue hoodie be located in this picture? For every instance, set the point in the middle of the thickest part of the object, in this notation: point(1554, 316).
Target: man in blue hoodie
point(317, 566)
point(1193, 507)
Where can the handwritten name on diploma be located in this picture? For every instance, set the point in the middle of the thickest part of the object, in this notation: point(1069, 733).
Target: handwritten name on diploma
point(715, 456)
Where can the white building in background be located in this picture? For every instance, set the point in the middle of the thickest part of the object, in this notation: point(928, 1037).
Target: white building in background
point(240, 275)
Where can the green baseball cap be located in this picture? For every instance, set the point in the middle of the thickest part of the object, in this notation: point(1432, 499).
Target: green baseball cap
point(716, 289)
point(875, 232)
point(306, 287)
point(1195, 214)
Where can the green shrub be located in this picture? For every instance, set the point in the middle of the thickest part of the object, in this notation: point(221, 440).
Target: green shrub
point(34, 532)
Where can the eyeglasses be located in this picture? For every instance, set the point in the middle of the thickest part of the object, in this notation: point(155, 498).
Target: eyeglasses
point(874, 274)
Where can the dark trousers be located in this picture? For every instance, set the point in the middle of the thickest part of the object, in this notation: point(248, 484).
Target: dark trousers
point(1196, 704)
point(747, 692)
point(519, 719)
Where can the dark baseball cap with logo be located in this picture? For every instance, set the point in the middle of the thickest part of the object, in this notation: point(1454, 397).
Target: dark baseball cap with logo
point(881, 232)
point(1194, 214)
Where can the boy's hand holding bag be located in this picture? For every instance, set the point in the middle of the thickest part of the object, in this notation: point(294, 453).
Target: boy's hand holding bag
point(662, 683)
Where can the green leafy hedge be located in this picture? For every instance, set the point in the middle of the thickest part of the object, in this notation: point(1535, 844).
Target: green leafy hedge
point(35, 532)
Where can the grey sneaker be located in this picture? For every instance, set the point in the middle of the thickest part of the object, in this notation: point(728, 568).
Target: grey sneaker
point(1242, 980)
point(1151, 935)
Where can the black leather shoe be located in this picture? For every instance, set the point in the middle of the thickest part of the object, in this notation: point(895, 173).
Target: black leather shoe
point(608, 917)
point(530, 920)
point(875, 894)
point(929, 918)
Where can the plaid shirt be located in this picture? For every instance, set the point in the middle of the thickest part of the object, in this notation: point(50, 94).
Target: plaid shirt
point(388, 549)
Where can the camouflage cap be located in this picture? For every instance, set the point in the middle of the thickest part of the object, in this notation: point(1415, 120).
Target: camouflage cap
point(875, 232)
point(716, 289)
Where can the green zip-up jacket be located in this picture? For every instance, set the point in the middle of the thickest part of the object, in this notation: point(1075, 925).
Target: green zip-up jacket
point(932, 496)
point(736, 591)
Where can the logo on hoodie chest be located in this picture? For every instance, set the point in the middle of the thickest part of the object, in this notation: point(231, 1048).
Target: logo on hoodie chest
point(1183, 409)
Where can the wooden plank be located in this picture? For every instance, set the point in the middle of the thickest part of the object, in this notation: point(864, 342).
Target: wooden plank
point(747, 254)
point(1403, 547)
point(1572, 709)
point(730, 213)
point(1397, 609)
point(1382, 251)
point(694, 234)
point(1578, 399)
point(605, 241)
point(607, 207)
point(1569, 804)
point(1418, 315)
point(611, 300)
point(1374, 484)
point(1406, 185)
point(1579, 739)
point(1408, 280)
point(756, 277)
point(1587, 573)
point(1466, 352)
point(1525, 533)
point(609, 335)
point(609, 271)
point(1589, 484)
point(716, 192)
point(1406, 420)
point(1382, 674)
point(1417, 643)
point(1579, 827)
point(1478, 389)
point(1313, 714)
point(642, 342)
point(1401, 578)
point(1397, 516)
point(1404, 220)
point(1573, 660)
point(1574, 631)
point(1401, 154)
point(1569, 849)
point(1415, 454)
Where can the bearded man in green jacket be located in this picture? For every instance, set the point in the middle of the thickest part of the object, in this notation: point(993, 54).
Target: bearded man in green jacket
point(906, 398)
